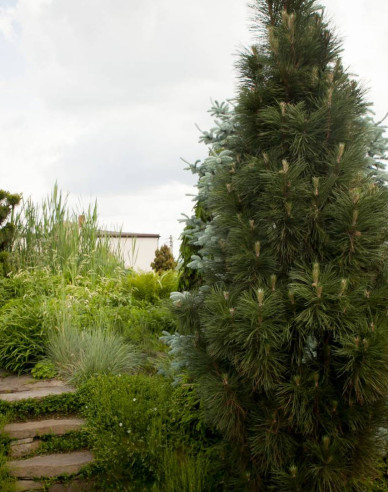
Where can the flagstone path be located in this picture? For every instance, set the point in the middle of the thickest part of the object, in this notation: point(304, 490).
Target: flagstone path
point(25, 438)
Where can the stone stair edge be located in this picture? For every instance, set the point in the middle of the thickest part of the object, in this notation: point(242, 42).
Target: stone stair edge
point(50, 465)
point(30, 468)
point(37, 428)
point(75, 485)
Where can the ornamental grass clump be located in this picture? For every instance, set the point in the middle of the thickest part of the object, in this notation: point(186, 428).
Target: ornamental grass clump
point(287, 338)
point(80, 354)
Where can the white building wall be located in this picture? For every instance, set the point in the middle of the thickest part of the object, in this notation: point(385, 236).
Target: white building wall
point(138, 252)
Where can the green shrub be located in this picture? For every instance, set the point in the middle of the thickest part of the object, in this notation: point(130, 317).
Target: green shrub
point(153, 318)
point(71, 441)
point(144, 432)
point(44, 369)
point(7, 483)
point(22, 334)
point(80, 354)
point(143, 324)
point(152, 286)
point(32, 283)
point(64, 404)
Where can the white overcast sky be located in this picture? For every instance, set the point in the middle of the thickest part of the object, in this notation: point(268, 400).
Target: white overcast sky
point(102, 96)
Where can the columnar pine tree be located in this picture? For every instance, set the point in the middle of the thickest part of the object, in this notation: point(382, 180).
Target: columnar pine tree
point(287, 339)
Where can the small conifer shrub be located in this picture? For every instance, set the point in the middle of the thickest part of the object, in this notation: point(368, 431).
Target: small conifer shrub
point(164, 260)
point(8, 203)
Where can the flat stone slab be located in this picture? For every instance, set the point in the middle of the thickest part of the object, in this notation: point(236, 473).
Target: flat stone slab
point(35, 428)
point(10, 384)
point(36, 394)
point(15, 388)
point(51, 465)
point(26, 485)
point(22, 448)
point(73, 486)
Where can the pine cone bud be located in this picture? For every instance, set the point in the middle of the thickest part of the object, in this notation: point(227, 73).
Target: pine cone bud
point(326, 442)
point(260, 296)
point(273, 282)
point(291, 22)
point(252, 224)
point(226, 295)
point(315, 75)
point(285, 167)
point(316, 184)
point(341, 150)
point(288, 206)
point(344, 285)
point(356, 197)
point(315, 274)
point(257, 248)
point(229, 187)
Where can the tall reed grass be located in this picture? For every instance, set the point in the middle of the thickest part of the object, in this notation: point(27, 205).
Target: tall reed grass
point(64, 240)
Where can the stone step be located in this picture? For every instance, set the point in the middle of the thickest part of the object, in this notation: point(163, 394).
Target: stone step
point(15, 388)
point(35, 428)
point(73, 486)
point(50, 465)
point(27, 485)
point(23, 447)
